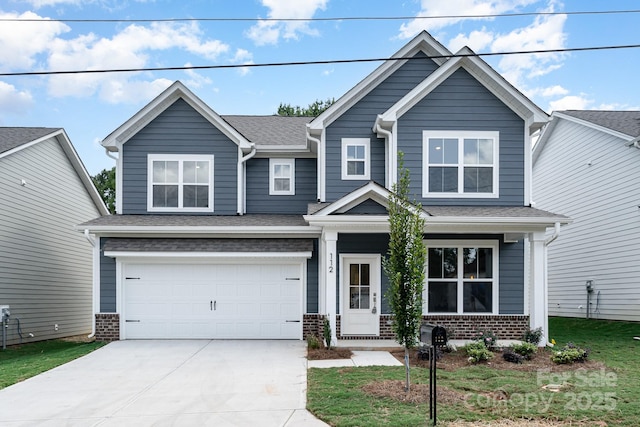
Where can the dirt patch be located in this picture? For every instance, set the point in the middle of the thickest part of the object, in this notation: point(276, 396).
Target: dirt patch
point(527, 423)
point(419, 393)
point(457, 359)
point(325, 354)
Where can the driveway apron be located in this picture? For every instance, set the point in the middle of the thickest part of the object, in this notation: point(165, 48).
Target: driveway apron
point(168, 383)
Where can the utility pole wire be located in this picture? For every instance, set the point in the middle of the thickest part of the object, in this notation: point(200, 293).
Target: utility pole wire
point(345, 18)
point(322, 62)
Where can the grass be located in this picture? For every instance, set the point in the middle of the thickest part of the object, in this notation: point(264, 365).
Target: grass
point(19, 362)
point(607, 396)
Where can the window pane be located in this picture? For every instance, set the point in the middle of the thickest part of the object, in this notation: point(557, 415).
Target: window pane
point(165, 196)
point(195, 196)
point(165, 172)
point(443, 297)
point(202, 172)
point(443, 180)
point(478, 180)
point(485, 263)
point(159, 169)
point(443, 263)
point(354, 297)
point(434, 261)
point(436, 151)
point(470, 263)
point(189, 172)
point(281, 171)
point(364, 274)
point(450, 151)
point(355, 168)
point(477, 297)
point(485, 151)
point(364, 298)
point(478, 263)
point(360, 152)
point(354, 275)
point(281, 184)
point(470, 151)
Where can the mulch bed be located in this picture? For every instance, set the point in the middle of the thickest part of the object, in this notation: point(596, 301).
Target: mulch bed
point(325, 354)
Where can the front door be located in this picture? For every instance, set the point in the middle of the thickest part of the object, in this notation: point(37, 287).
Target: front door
point(360, 295)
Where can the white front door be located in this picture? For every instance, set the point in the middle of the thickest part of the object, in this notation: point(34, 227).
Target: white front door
point(360, 295)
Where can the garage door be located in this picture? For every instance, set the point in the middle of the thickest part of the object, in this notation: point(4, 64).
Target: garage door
point(259, 301)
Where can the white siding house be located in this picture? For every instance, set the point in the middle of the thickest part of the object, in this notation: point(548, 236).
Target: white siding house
point(586, 165)
point(45, 264)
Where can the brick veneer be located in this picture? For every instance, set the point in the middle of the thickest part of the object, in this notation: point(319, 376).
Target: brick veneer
point(312, 324)
point(107, 326)
point(459, 327)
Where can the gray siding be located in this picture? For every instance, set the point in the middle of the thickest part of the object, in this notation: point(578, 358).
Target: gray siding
point(511, 293)
point(259, 200)
point(107, 281)
point(462, 103)
point(45, 264)
point(179, 130)
point(312, 280)
point(358, 122)
point(368, 207)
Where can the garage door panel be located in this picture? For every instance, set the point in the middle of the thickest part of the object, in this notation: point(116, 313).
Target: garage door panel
point(212, 300)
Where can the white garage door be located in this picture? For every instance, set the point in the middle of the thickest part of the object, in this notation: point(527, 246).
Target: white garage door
point(258, 301)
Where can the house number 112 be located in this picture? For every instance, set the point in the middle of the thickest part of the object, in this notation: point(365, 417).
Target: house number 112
point(331, 263)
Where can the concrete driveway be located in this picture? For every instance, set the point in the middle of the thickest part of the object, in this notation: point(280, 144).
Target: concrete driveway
point(168, 383)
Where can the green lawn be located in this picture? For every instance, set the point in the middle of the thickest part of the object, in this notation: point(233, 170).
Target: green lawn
point(610, 394)
point(17, 363)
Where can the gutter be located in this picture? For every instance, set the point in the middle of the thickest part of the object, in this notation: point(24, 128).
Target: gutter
point(242, 178)
point(110, 155)
point(93, 294)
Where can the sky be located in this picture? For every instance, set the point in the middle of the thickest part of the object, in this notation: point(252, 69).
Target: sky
point(90, 106)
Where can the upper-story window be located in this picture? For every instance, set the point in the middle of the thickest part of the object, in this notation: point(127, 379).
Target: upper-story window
point(356, 158)
point(178, 182)
point(282, 177)
point(460, 164)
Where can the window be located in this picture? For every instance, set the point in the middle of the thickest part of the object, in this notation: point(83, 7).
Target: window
point(461, 277)
point(180, 183)
point(355, 158)
point(282, 177)
point(460, 164)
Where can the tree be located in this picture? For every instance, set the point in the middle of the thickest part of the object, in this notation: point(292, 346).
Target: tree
point(105, 182)
point(405, 264)
point(313, 110)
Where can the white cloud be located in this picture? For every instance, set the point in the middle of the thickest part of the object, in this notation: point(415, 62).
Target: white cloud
point(270, 32)
point(244, 57)
point(570, 102)
point(456, 8)
point(554, 91)
point(126, 91)
point(42, 3)
point(13, 101)
point(328, 72)
point(477, 40)
point(195, 80)
point(21, 42)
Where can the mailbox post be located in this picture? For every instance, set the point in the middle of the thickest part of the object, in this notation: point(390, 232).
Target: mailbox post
point(433, 336)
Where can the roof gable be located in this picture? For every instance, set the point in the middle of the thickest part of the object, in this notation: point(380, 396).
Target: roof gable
point(153, 109)
point(466, 59)
point(15, 137)
point(423, 42)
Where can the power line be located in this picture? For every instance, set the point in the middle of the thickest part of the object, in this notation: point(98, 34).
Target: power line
point(323, 62)
point(344, 18)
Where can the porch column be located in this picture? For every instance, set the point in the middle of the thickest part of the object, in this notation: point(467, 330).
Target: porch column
point(538, 309)
point(330, 267)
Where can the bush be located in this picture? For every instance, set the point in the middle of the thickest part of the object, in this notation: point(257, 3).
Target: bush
point(510, 356)
point(526, 349)
point(489, 339)
point(570, 353)
point(327, 333)
point(313, 342)
point(477, 352)
point(533, 336)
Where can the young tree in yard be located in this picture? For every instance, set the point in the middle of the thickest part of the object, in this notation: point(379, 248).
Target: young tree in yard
point(404, 265)
point(105, 182)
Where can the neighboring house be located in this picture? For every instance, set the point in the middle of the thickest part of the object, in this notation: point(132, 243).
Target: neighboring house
point(46, 266)
point(587, 166)
point(262, 227)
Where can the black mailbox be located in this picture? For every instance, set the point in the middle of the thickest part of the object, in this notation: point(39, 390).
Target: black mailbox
point(433, 335)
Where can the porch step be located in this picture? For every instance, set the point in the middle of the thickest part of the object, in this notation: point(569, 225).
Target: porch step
point(369, 345)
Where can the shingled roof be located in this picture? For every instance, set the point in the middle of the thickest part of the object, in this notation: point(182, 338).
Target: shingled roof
point(627, 122)
point(271, 130)
point(208, 245)
point(12, 137)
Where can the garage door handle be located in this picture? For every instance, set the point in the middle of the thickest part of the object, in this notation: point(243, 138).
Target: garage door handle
point(292, 321)
point(212, 305)
point(132, 321)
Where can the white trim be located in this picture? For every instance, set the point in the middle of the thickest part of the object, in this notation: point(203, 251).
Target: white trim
point(119, 180)
point(460, 136)
point(120, 298)
point(201, 255)
point(344, 162)
point(292, 177)
point(528, 169)
point(488, 243)
point(180, 158)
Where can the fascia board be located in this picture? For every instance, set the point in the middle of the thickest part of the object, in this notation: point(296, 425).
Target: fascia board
point(422, 42)
point(225, 255)
point(158, 231)
point(360, 193)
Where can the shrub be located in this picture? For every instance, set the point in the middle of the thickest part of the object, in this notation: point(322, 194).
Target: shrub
point(533, 336)
point(313, 342)
point(511, 356)
point(526, 349)
point(570, 353)
point(489, 339)
point(477, 352)
point(327, 333)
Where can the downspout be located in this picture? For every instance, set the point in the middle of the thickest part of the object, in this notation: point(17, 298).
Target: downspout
point(242, 178)
point(547, 242)
point(92, 241)
point(110, 155)
point(318, 148)
point(388, 136)
point(634, 143)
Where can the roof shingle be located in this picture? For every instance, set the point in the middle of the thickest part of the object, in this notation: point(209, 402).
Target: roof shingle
point(627, 122)
point(12, 137)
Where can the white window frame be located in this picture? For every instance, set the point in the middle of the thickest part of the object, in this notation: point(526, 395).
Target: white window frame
point(362, 142)
point(460, 280)
point(460, 136)
point(272, 177)
point(180, 158)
